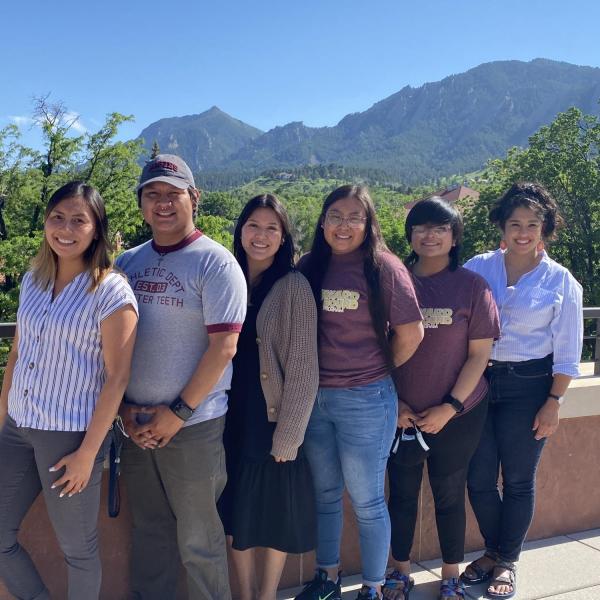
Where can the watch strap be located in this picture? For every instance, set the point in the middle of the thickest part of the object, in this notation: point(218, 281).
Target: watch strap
point(180, 407)
point(457, 405)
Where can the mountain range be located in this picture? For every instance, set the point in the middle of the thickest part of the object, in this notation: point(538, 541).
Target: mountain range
point(416, 135)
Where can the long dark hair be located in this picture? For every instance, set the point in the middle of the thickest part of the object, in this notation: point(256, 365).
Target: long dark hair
point(435, 211)
point(97, 256)
point(283, 261)
point(316, 263)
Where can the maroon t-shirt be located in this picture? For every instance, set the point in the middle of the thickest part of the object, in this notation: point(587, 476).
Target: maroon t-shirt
point(349, 352)
point(457, 306)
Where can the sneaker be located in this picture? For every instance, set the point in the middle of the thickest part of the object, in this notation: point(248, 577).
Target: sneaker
point(368, 593)
point(321, 588)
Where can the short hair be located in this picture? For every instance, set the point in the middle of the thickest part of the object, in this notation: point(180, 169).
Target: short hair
point(435, 211)
point(528, 195)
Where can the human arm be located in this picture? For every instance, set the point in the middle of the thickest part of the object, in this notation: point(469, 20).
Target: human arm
point(405, 341)
point(8, 375)
point(567, 340)
point(300, 371)
point(118, 337)
point(406, 416)
point(434, 419)
point(165, 423)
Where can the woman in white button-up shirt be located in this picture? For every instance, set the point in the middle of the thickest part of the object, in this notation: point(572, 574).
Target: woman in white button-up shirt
point(533, 362)
point(64, 380)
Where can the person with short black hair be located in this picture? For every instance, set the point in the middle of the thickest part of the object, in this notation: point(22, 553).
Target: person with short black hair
point(533, 362)
point(441, 391)
point(64, 380)
point(192, 297)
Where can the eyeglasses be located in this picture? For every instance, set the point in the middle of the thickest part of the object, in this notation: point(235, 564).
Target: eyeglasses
point(437, 230)
point(353, 221)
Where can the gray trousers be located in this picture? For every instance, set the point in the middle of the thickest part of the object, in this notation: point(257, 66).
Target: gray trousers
point(172, 493)
point(25, 457)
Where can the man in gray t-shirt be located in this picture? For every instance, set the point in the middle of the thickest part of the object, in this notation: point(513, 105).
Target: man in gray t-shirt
point(192, 300)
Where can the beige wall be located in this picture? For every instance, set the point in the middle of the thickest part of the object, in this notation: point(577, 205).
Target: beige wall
point(567, 501)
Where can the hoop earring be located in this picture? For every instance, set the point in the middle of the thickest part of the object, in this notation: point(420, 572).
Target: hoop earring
point(503, 245)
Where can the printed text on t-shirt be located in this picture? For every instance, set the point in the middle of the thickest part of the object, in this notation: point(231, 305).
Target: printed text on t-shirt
point(339, 300)
point(432, 317)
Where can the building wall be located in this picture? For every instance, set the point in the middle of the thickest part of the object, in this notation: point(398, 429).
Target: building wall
point(567, 501)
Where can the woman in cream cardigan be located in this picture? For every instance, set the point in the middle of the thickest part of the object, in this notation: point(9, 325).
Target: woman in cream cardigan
point(269, 500)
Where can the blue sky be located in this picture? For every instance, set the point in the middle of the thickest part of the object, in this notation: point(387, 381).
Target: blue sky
point(265, 62)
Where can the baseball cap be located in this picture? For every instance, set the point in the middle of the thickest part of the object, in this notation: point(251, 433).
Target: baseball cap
point(168, 168)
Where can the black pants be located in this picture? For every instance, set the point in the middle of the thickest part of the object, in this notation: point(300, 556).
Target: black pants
point(517, 392)
point(447, 464)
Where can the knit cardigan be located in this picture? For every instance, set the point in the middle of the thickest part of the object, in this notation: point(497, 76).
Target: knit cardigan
point(286, 327)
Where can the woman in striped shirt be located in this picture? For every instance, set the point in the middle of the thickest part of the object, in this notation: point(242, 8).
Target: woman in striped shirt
point(533, 362)
point(64, 380)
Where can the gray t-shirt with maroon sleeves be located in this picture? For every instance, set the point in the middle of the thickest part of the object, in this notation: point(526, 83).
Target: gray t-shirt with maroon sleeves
point(184, 292)
point(457, 307)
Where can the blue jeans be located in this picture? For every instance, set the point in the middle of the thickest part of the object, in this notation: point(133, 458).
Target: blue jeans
point(517, 392)
point(348, 441)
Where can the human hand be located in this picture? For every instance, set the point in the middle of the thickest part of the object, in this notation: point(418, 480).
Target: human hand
point(162, 427)
point(406, 416)
point(547, 419)
point(280, 459)
point(78, 468)
point(136, 432)
point(434, 419)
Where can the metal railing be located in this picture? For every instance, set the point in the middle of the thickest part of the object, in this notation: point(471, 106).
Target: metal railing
point(590, 313)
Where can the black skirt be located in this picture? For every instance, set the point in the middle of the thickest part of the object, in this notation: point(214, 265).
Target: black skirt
point(265, 503)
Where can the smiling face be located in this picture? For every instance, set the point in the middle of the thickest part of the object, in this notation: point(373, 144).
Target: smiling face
point(262, 236)
point(344, 225)
point(431, 240)
point(70, 229)
point(522, 231)
point(169, 211)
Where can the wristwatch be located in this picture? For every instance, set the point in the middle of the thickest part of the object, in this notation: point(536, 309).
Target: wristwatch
point(181, 409)
point(559, 399)
point(457, 405)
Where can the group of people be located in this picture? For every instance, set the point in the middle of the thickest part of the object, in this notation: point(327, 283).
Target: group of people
point(253, 390)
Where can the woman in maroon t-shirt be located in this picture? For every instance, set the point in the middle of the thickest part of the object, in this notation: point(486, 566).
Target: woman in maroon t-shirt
point(441, 390)
point(363, 291)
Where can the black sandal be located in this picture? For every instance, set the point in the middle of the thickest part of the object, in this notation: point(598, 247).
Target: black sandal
point(397, 582)
point(510, 579)
point(481, 575)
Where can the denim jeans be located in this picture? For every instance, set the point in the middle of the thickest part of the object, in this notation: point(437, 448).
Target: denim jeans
point(517, 391)
point(347, 442)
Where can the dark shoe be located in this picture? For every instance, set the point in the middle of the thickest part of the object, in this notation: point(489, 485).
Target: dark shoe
point(321, 588)
point(397, 586)
point(452, 589)
point(481, 575)
point(368, 593)
point(510, 580)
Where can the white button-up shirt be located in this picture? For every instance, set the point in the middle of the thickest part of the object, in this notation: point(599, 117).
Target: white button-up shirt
point(541, 314)
point(59, 372)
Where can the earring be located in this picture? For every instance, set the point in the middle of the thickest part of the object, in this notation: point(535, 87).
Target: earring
point(503, 245)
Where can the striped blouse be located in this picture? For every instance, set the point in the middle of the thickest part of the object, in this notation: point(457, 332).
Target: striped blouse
point(59, 372)
point(541, 314)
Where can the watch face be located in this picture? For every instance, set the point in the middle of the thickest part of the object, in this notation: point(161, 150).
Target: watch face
point(182, 410)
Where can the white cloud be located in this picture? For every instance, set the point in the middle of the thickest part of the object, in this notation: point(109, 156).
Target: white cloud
point(77, 125)
point(20, 121)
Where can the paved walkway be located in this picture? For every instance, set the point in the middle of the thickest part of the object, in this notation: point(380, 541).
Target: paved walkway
point(560, 568)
